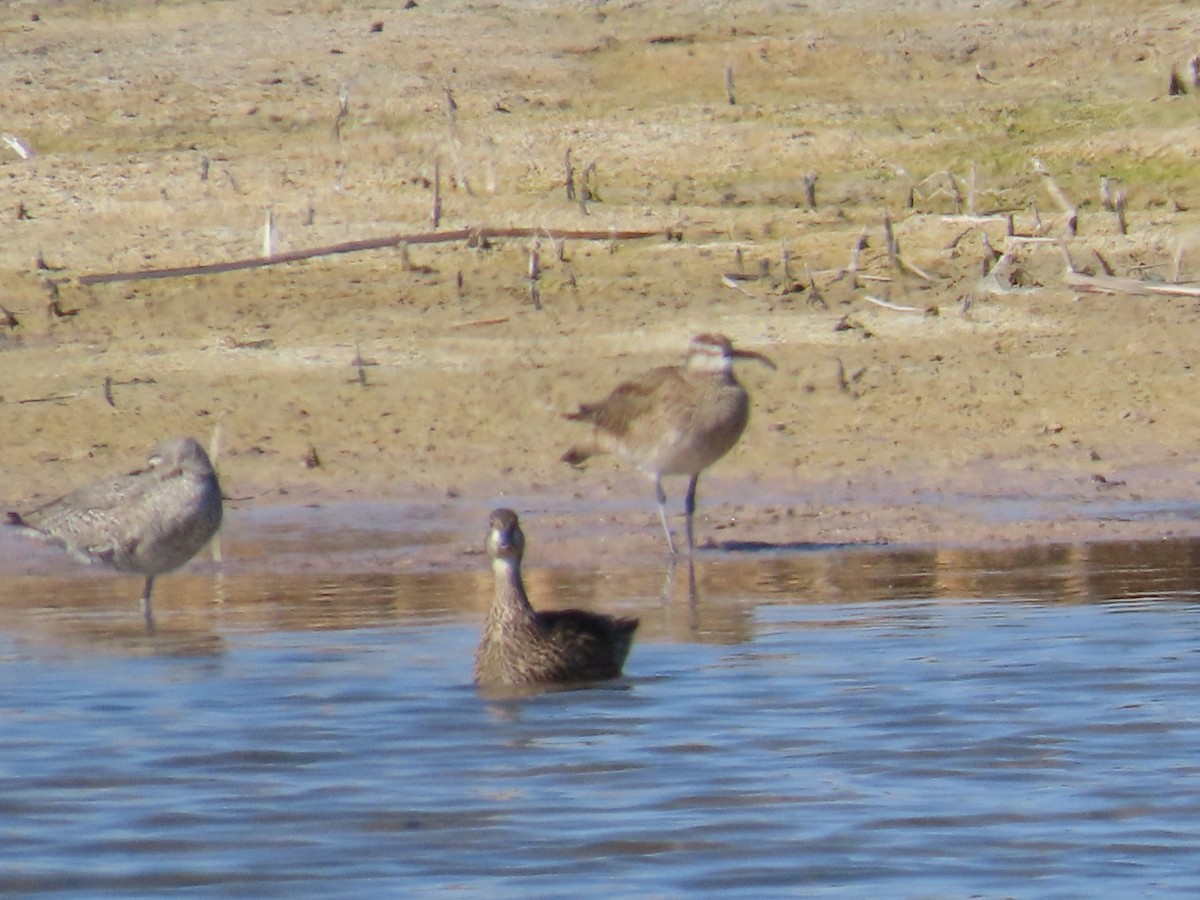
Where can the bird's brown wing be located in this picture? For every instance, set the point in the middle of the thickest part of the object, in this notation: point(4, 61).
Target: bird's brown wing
point(591, 645)
point(631, 402)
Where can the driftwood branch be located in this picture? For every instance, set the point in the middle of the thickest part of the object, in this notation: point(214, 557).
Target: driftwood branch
point(1113, 284)
point(474, 237)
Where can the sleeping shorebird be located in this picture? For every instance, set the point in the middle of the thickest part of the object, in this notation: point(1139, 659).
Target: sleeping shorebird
point(148, 522)
point(523, 647)
point(675, 420)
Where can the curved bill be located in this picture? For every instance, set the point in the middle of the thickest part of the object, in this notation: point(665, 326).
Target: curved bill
point(751, 354)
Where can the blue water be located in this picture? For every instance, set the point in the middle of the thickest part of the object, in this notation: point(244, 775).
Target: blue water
point(863, 723)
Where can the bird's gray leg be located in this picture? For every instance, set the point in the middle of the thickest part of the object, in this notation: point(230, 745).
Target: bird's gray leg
point(147, 607)
point(661, 496)
point(689, 508)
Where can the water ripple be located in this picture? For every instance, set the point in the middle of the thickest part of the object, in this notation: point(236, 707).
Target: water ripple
point(963, 732)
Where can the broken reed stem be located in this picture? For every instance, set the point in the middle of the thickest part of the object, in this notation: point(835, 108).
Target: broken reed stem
point(815, 298)
point(729, 85)
point(810, 189)
point(588, 188)
point(1175, 86)
point(589, 185)
point(855, 252)
point(1119, 208)
point(451, 110)
point(535, 273)
point(343, 111)
point(891, 245)
point(569, 176)
point(359, 363)
point(436, 213)
point(1106, 193)
point(956, 193)
point(268, 234)
point(1070, 209)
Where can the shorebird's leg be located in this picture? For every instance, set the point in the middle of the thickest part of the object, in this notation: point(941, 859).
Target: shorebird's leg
point(661, 496)
point(689, 508)
point(147, 608)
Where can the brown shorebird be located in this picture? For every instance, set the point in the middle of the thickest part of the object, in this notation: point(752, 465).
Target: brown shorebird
point(674, 420)
point(148, 522)
point(524, 647)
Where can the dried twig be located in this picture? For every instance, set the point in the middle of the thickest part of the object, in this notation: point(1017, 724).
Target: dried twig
point(17, 146)
point(535, 273)
point(436, 211)
point(734, 280)
point(1070, 209)
point(1106, 193)
point(878, 301)
point(343, 111)
point(49, 399)
point(815, 298)
point(451, 109)
point(810, 189)
point(855, 252)
point(361, 364)
point(1175, 85)
point(268, 234)
point(890, 245)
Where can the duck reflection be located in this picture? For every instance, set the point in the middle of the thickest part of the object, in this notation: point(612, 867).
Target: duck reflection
point(714, 598)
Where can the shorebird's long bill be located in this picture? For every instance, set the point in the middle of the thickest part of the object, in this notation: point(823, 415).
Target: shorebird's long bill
point(750, 354)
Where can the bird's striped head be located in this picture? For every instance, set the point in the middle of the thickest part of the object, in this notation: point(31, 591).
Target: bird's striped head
point(716, 353)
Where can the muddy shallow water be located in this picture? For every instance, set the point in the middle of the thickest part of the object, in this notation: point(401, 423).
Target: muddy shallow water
point(863, 721)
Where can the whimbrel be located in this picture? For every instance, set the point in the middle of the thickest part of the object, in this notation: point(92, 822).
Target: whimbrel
point(674, 420)
point(148, 522)
point(524, 647)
